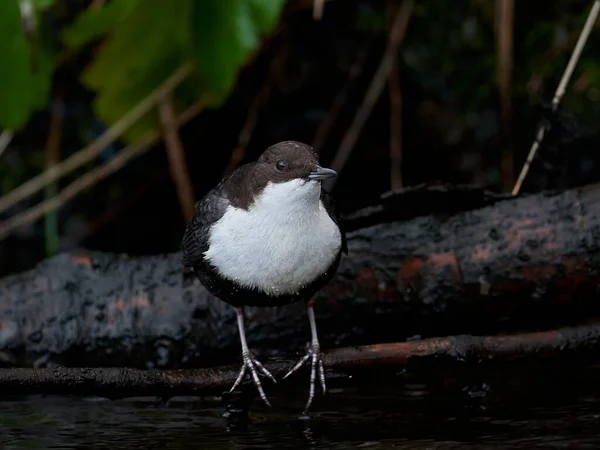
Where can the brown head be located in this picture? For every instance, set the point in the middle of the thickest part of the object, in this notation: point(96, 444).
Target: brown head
point(290, 159)
point(282, 162)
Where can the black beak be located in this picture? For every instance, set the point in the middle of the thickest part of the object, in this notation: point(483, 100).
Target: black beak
point(321, 173)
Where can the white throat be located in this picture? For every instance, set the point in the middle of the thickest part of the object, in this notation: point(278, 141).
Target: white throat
point(284, 241)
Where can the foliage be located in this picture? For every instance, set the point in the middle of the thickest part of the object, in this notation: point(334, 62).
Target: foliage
point(26, 68)
point(145, 41)
point(145, 44)
point(95, 23)
point(225, 33)
point(452, 51)
point(141, 44)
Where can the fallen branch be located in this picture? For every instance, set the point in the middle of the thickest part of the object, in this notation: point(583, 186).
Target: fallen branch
point(120, 382)
point(526, 263)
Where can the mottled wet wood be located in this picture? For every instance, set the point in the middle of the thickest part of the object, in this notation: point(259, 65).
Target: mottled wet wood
point(430, 267)
point(428, 353)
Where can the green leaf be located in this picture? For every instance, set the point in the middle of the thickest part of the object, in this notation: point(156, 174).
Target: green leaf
point(22, 89)
point(95, 23)
point(146, 48)
point(265, 13)
point(42, 4)
point(226, 32)
point(155, 37)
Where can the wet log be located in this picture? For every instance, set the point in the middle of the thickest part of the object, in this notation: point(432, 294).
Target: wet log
point(428, 267)
point(437, 353)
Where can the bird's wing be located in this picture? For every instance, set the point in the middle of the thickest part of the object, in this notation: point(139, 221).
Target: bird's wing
point(333, 212)
point(195, 238)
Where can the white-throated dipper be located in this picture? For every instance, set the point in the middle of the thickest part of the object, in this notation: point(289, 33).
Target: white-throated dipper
point(268, 235)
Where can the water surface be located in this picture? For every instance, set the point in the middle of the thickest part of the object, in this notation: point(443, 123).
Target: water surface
point(547, 406)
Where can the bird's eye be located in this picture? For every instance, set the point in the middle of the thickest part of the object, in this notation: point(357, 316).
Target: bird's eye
point(281, 165)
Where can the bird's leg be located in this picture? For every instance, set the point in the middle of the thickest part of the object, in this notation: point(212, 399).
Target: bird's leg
point(314, 354)
point(250, 362)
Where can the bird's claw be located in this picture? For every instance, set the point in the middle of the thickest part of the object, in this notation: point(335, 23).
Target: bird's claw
point(316, 365)
point(254, 366)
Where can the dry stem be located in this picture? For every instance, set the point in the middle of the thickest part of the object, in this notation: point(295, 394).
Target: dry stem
point(504, 41)
point(176, 156)
point(89, 179)
point(395, 39)
point(93, 150)
point(340, 99)
point(318, 7)
point(560, 91)
point(395, 120)
point(261, 98)
point(5, 139)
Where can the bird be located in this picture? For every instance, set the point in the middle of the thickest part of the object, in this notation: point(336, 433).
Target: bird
point(268, 235)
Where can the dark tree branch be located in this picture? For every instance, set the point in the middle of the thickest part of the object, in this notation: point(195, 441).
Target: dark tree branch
point(118, 382)
point(424, 262)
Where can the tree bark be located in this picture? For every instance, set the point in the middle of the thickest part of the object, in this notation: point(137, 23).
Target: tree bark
point(526, 263)
point(435, 352)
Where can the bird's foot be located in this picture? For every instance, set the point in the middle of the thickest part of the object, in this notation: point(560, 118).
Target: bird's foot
point(316, 366)
point(254, 366)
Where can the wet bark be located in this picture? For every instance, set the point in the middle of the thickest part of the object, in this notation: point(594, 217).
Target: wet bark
point(435, 263)
point(428, 353)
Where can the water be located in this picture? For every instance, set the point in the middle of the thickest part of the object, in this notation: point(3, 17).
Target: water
point(521, 406)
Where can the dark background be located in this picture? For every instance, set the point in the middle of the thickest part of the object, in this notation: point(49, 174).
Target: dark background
point(450, 124)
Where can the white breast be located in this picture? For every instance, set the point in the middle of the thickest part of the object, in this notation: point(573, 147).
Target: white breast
point(284, 241)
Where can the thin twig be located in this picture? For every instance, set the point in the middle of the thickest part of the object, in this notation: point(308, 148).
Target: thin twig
point(504, 41)
point(293, 6)
point(96, 4)
point(52, 157)
point(238, 154)
point(95, 148)
point(92, 177)
point(395, 39)
point(113, 382)
point(247, 129)
point(55, 131)
point(176, 156)
point(5, 139)
point(318, 7)
point(340, 100)
point(395, 116)
point(30, 30)
point(28, 17)
point(395, 130)
point(124, 205)
point(560, 91)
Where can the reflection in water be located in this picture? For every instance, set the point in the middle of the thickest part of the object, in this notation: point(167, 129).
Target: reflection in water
point(533, 406)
